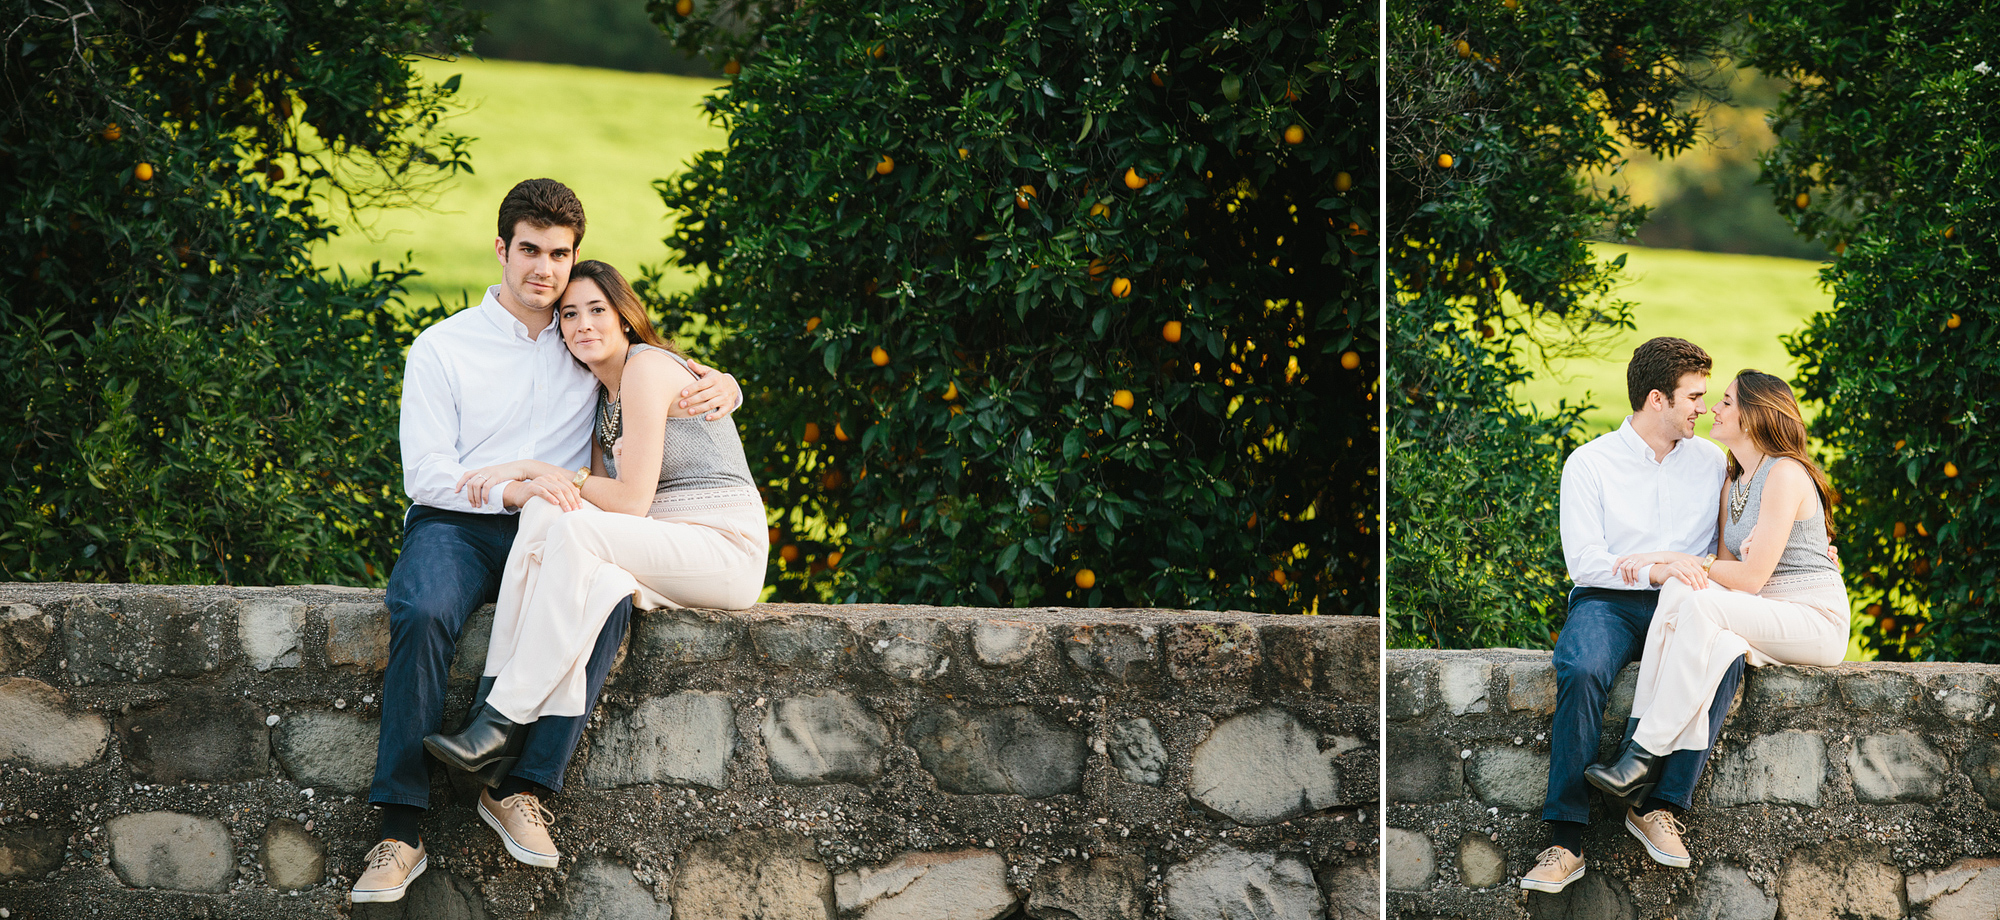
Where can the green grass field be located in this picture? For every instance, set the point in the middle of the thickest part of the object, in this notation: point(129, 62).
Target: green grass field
point(607, 134)
point(1733, 306)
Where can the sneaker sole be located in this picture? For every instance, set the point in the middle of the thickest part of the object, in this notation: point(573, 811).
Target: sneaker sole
point(1534, 884)
point(385, 895)
point(1660, 856)
point(520, 853)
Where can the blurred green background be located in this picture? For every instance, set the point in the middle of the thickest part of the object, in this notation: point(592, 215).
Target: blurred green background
point(1718, 265)
point(607, 134)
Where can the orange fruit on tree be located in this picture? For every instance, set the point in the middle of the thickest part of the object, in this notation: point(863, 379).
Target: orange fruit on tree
point(1133, 180)
point(879, 356)
point(111, 132)
point(1086, 579)
point(1097, 267)
point(1350, 359)
point(789, 552)
point(812, 323)
point(1951, 232)
point(839, 433)
point(143, 172)
point(833, 559)
point(1899, 531)
point(1157, 78)
point(1445, 161)
point(1100, 209)
point(1252, 523)
point(1900, 442)
point(1464, 48)
point(964, 153)
point(1121, 287)
point(1954, 322)
point(879, 51)
point(1510, 4)
point(886, 166)
point(1023, 195)
point(951, 391)
point(1802, 200)
point(812, 432)
point(684, 7)
point(1278, 576)
point(733, 68)
point(1295, 135)
point(1122, 399)
point(1950, 470)
point(776, 534)
point(1342, 182)
point(1171, 331)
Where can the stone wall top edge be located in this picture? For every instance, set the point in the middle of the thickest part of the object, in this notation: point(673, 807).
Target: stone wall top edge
point(39, 593)
point(1498, 655)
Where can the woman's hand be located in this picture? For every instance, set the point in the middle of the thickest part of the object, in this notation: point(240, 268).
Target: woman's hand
point(558, 489)
point(1636, 569)
point(479, 484)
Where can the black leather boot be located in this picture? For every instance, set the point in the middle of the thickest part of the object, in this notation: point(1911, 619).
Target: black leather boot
point(487, 741)
point(1625, 777)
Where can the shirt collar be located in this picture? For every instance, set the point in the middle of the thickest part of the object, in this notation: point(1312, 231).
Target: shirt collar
point(1629, 436)
point(504, 321)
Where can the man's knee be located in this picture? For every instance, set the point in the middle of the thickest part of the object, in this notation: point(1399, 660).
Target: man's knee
point(419, 614)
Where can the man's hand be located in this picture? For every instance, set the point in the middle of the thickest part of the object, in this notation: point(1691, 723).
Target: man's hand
point(712, 392)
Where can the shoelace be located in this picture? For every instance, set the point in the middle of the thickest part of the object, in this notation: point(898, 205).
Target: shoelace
point(529, 808)
point(1549, 858)
point(1666, 819)
point(383, 856)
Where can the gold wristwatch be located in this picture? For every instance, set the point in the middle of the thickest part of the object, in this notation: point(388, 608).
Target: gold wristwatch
point(1707, 561)
point(583, 473)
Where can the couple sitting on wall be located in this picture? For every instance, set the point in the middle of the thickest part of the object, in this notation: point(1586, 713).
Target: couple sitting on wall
point(1642, 509)
point(563, 462)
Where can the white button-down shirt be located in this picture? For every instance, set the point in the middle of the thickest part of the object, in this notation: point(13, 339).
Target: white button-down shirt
point(478, 389)
point(1619, 499)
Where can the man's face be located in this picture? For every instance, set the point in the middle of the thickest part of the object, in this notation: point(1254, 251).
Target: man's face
point(535, 268)
point(1687, 404)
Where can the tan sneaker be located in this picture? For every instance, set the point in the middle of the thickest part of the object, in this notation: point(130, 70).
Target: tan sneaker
point(1554, 869)
point(392, 866)
point(1661, 833)
point(523, 825)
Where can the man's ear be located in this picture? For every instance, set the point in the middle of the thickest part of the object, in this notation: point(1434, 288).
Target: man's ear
point(500, 250)
point(1656, 400)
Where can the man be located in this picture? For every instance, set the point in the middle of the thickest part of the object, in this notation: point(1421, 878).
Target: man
point(490, 384)
point(1650, 485)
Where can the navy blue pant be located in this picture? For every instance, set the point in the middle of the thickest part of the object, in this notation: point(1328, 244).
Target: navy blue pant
point(450, 565)
point(1606, 631)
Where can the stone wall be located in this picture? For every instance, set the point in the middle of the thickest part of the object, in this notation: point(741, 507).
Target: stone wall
point(1856, 792)
point(205, 752)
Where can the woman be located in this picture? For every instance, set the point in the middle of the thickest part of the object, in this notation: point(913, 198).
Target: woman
point(671, 518)
point(1777, 596)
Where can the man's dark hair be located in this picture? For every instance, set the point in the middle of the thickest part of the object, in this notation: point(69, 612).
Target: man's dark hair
point(543, 203)
point(1660, 364)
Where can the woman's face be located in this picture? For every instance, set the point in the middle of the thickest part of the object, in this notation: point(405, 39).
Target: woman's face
point(590, 326)
point(1728, 416)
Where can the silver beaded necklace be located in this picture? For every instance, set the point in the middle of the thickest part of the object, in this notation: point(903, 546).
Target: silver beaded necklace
point(610, 418)
point(1740, 500)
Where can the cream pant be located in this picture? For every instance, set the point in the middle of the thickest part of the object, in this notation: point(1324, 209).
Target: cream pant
point(567, 572)
point(1696, 635)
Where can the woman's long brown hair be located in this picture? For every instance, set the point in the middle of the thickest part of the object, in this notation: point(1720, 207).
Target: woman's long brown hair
point(618, 293)
point(1769, 415)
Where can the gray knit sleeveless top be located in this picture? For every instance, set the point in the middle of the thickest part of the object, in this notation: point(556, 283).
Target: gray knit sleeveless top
point(1805, 548)
point(697, 453)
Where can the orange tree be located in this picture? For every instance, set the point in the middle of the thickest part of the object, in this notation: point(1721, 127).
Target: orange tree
point(1047, 303)
point(187, 399)
point(1495, 107)
point(1884, 157)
